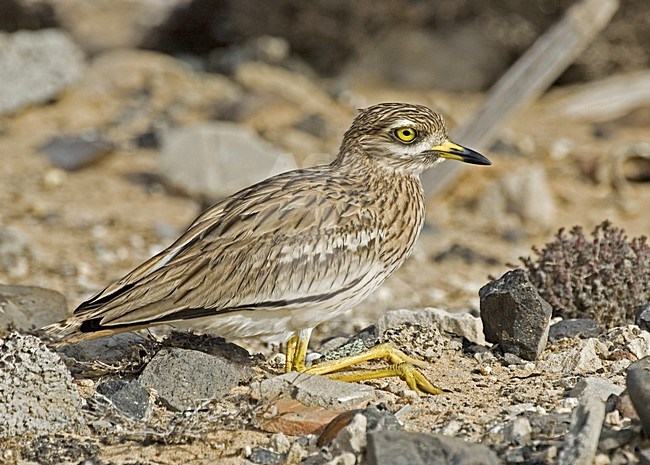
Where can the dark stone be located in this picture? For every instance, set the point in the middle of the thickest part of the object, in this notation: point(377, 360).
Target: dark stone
point(128, 397)
point(407, 448)
point(642, 317)
point(584, 328)
point(263, 456)
point(184, 378)
point(638, 388)
point(514, 315)
point(363, 340)
point(72, 152)
point(26, 308)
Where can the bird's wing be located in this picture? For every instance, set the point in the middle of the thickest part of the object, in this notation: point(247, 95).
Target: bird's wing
point(256, 250)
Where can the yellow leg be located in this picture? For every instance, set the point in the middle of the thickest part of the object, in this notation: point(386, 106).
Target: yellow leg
point(297, 351)
point(290, 353)
point(402, 366)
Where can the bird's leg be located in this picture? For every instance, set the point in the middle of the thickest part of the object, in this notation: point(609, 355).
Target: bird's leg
point(297, 351)
point(401, 365)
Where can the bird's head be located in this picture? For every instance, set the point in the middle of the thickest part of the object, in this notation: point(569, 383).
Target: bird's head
point(402, 137)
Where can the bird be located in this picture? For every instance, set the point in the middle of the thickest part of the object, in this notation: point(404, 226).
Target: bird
point(303, 247)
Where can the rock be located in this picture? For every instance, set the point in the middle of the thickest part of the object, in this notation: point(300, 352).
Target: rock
point(263, 456)
point(644, 456)
point(581, 359)
point(128, 397)
point(611, 440)
point(280, 443)
point(183, 378)
point(598, 388)
point(27, 308)
point(314, 390)
point(407, 448)
point(642, 317)
point(583, 328)
point(294, 418)
point(518, 431)
point(629, 339)
point(363, 340)
point(461, 324)
point(514, 315)
point(638, 387)
point(376, 420)
point(72, 152)
point(214, 160)
point(35, 66)
point(37, 395)
point(109, 350)
point(580, 444)
point(352, 438)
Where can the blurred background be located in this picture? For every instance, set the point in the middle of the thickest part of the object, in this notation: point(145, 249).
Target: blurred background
point(121, 120)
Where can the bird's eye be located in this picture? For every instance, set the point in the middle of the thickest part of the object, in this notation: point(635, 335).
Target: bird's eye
point(406, 135)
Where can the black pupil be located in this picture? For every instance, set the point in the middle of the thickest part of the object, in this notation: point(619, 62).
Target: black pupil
point(406, 133)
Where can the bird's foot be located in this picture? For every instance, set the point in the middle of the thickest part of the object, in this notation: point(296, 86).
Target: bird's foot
point(402, 365)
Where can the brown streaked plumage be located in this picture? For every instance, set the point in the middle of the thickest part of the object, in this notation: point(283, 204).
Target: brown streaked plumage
point(277, 258)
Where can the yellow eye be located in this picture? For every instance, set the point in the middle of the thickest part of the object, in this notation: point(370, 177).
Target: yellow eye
point(406, 135)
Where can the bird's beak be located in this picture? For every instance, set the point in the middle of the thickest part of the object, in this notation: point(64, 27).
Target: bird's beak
point(453, 151)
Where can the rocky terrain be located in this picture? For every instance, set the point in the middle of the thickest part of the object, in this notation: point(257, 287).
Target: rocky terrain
point(109, 150)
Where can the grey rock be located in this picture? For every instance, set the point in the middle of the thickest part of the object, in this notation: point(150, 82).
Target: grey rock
point(514, 315)
point(581, 359)
point(27, 308)
point(109, 349)
point(376, 420)
point(128, 397)
point(581, 327)
point(35, 66)
point(73, 152)
point(363, 340)
point(644, 456)
point(37, 395)
point(214, 160)
point(642, 317)
point(461, 324)
point(580, 443)
point(598, 388)
point(611, 439)
point(316, 390)
point(638, 388)
point(352, 438)
point(518, 431)
point(407, 448)
point(262, 456)
point(184, 378)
